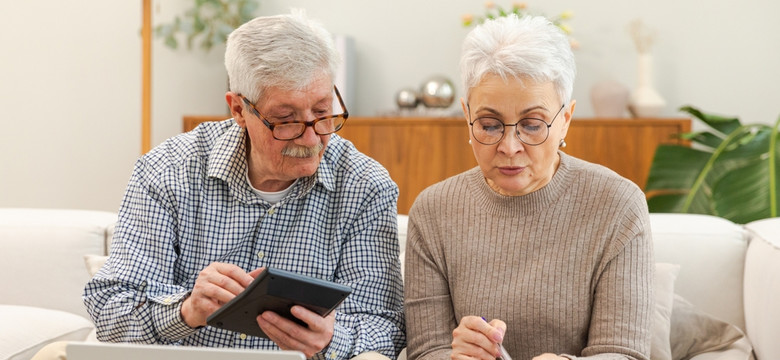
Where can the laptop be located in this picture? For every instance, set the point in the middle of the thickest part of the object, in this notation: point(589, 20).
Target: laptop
point(126, 351)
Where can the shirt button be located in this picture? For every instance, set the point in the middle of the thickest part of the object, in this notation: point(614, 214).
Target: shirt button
point(260, 254)
point(242, 336)
point(271, 211)
point(332, 355)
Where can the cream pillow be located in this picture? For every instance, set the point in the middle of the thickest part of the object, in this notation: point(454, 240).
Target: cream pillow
point(696, 332)
point(94, 263)
point(665, 276)
point(30, 329)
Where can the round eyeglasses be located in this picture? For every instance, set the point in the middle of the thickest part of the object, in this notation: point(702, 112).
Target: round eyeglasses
point(291, 130)
point(530, 131)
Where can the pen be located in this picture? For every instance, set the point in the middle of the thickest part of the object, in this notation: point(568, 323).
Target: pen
point(504, 355)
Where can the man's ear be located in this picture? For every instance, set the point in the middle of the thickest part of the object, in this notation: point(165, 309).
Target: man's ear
point(236, 106)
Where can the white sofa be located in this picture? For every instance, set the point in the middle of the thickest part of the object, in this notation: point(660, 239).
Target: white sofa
point(43, 273)
point(718, 270)
point(727, 270)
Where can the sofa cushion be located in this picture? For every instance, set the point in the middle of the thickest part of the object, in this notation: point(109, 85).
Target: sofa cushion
point(711, 253)
point(403, 223)
point(762, 288)
point(47, 247)
point(27, 329)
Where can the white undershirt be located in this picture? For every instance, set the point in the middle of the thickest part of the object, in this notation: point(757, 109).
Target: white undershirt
point(272, 197)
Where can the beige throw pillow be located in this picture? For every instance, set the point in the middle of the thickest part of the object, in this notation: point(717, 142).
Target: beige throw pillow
point(665, 276)
point(94, 263)
point(695, 332)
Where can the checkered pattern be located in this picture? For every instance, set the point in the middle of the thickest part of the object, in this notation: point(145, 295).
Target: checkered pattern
point(188, 204)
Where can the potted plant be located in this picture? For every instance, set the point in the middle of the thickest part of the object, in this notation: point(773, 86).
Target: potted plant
point(210, 20)
point(731, 171)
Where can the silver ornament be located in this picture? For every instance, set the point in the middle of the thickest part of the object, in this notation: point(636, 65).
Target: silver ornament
point(437, 92)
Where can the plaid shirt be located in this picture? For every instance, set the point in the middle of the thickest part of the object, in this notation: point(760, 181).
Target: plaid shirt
point(188, 204)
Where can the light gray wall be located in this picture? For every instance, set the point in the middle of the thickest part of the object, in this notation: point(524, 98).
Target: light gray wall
point(70, 102)
point(70, 74)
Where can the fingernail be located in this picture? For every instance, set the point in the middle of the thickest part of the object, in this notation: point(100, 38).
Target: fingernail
point(499, 336)
point(268, 316)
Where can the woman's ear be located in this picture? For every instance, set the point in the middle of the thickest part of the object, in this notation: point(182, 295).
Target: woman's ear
point(465, 109)
point(236, 106)
point(567, 116)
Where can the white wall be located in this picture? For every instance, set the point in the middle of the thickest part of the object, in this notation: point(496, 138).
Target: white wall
point(70, 101)
point(70, 74)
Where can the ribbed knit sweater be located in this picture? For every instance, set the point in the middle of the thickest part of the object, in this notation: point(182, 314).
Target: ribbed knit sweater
point(569, 267)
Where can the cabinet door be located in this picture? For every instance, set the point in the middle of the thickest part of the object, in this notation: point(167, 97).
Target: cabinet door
point(626, 146)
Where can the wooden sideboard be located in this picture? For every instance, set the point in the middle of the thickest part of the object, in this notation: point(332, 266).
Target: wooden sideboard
point(419, 152)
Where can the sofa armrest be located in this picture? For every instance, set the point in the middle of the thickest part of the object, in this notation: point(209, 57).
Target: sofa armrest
point(739, 350)
point(762, 287)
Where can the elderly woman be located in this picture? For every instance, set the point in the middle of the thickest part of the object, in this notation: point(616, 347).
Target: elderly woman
point(534, 251)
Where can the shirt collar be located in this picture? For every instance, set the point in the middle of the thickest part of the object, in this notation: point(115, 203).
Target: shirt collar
point(227, 162)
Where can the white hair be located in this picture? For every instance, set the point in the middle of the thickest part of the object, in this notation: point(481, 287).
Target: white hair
point(287, 51)
point(530, 46)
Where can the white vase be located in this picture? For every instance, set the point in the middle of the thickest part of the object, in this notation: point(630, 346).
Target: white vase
point(645, 100)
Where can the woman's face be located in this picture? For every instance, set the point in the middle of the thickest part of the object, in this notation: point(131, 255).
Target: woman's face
point(511, 167)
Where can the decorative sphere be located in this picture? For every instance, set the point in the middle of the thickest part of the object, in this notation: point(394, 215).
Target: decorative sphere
point(407, 98)
point(437, 92)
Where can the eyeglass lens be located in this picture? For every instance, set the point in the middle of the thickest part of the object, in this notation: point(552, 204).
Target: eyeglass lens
point(489, 131)
point(323, 126)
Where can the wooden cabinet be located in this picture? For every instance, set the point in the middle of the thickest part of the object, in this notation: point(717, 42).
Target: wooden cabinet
point(419, 152)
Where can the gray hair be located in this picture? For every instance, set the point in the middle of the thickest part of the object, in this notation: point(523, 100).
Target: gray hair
point(287, 51)
point(530, 46)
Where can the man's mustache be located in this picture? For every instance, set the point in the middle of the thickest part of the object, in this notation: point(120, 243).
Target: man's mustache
point(298, 151)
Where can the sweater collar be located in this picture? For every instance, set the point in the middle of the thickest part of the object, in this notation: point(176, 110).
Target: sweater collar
point(531, 203)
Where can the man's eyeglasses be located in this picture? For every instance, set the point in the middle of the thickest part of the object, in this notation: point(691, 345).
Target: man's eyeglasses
point(531, 131)
point(290, 130)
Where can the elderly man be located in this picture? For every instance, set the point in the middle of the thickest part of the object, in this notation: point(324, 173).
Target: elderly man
point(205, 211)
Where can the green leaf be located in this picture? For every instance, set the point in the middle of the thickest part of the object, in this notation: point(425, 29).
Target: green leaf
point(675, 168)
point(734, 188)
point(723, 124)
point(170, 41)
point(705, 138)
point(666, 203)
point(736, 180)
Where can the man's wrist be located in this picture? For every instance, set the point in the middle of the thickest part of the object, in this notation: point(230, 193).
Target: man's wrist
point(168, 317)
point(187, 315)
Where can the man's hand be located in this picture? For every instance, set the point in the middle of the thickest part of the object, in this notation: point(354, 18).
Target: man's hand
point(217, 284)
point(291, 336)
point(475, 338)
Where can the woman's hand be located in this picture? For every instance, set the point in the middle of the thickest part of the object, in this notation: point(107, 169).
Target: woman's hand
point(475, 338)
point(548, 356)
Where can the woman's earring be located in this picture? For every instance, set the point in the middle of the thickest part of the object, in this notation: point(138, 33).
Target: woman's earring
point(562, 144)
point(469, 141)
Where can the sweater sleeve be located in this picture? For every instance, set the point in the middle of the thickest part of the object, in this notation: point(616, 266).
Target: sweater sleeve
point(430, 316)
point(623, 296)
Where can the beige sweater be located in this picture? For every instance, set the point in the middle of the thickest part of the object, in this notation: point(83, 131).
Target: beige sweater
point(569, 267)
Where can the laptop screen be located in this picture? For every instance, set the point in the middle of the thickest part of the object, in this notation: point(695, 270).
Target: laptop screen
point(125, 351)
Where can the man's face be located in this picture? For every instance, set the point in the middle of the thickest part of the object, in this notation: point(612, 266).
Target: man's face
point(275, 164)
